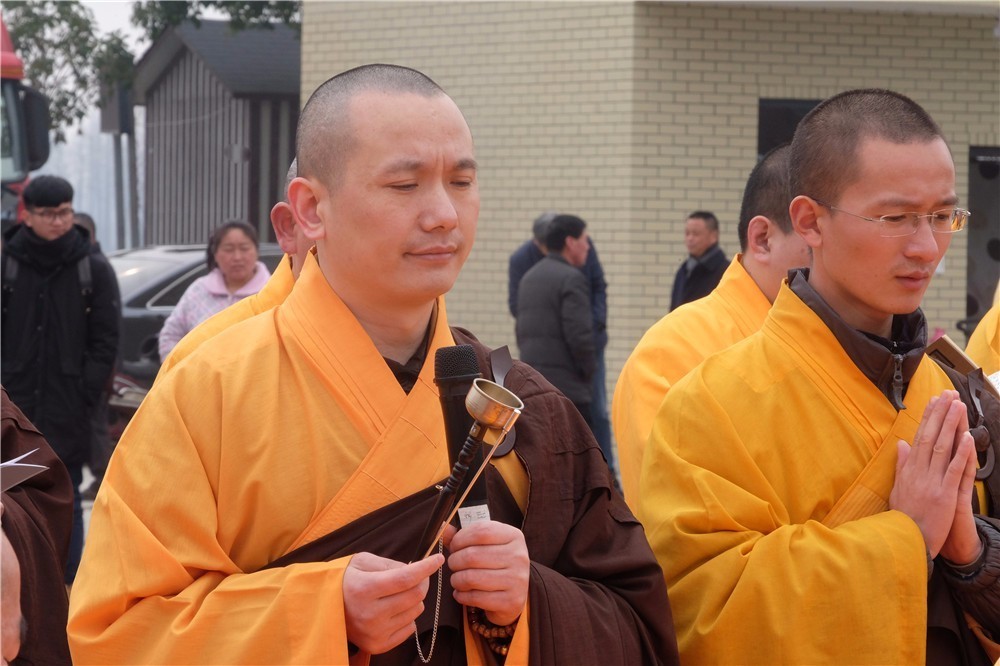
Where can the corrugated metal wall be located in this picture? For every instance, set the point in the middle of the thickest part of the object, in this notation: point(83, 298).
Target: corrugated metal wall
point(211, 157)
point(272, 122)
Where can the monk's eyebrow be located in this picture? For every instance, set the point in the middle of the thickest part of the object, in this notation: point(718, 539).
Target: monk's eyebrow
point(409, 165)
point(404, 165)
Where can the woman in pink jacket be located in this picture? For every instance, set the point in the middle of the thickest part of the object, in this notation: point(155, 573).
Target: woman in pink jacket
point(234, 273)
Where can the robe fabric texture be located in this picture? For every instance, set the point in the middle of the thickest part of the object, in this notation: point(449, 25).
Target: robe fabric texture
point(670, 349)
point(278, 286)
point(764, 494)
point(984, 344)
point(230, 465)
point(38, 520)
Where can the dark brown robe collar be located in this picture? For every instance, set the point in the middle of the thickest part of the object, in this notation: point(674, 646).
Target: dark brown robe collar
point(888, 363)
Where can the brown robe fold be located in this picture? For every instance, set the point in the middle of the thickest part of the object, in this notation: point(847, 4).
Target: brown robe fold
point(597, 595)
point(38, 519)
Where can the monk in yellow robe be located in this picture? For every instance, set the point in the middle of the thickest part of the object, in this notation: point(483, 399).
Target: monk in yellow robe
point(271, 488)
point(984, 343)
point(793, 520)
point(735, 309)
point(278, 287)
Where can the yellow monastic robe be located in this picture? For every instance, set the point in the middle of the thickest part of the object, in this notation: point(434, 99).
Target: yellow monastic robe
point(984, 344)
point(273, 294)
point(670, 349)
point(271, 434)
point(773, 549)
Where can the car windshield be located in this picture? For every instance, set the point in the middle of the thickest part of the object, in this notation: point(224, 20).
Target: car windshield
point(135, 273)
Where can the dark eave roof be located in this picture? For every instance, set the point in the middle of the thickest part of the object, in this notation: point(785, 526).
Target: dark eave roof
point(254, 61)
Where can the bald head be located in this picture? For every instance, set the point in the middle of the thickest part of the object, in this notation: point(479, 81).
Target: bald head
point(323, 141)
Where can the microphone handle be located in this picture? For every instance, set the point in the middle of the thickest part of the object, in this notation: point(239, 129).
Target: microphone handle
point(446, 498)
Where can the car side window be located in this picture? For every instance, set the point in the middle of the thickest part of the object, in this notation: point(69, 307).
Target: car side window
point(169, 297)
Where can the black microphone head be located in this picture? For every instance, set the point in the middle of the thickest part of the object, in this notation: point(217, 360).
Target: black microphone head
point(452, 363)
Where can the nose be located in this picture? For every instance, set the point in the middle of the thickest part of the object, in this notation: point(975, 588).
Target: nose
point(925, 245)
point(439, 209)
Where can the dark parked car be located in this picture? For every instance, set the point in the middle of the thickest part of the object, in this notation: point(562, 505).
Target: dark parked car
point(152, 280)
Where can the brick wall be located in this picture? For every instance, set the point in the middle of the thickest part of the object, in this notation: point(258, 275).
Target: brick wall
point(633, 114)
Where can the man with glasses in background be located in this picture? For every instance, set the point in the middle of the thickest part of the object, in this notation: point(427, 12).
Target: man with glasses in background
point(811, 491)
point(59, 329)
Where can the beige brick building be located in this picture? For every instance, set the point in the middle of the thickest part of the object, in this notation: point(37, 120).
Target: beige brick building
point(632, 114)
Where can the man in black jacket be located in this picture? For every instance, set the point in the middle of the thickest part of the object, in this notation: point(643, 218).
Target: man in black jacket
point(701, 271)
point(60, 329)
point(554, 326)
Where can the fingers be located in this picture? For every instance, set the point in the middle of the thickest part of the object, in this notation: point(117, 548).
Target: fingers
point(396, 575)
point(491, 569)
point(484, 533)
point(943, 448)
point(966, 448)
point(902, 455)
point(930, 427)
point(383, 597)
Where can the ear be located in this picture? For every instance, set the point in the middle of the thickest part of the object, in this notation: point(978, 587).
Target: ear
point(284, 227)
point(304, 198)
point(805, 214)
point(759, 231)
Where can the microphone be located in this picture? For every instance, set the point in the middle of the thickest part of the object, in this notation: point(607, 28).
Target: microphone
point(455, 368)
point(494, 410)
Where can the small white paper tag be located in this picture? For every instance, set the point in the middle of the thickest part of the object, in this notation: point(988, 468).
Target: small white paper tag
point(473, 514)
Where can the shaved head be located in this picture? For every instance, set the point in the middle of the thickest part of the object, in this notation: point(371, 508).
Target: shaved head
point(323, 140)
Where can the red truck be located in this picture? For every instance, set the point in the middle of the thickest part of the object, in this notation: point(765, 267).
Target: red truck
point(24, 129)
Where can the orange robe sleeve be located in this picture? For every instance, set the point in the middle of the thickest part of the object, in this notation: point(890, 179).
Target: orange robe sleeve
point(670, 349)
point(265, 434)
point(743, 487)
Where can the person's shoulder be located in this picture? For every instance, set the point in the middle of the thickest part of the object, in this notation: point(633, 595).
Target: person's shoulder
point(538, 268)
point(226, 352)
point(100, 266)
point(523, 250)
point(199, 287)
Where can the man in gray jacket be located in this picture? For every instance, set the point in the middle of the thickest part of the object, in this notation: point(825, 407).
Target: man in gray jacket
point(554, 324)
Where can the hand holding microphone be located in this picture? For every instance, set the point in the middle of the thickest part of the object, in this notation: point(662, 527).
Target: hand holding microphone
point(494, 410)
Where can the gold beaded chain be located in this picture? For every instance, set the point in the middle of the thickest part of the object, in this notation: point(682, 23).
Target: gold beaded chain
point(437, 615)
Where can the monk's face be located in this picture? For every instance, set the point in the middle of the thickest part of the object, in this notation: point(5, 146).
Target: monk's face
point(864, 276)
point(400, 220)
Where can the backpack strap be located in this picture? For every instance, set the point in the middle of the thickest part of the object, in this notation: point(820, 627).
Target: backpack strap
point(985, 430)
point(86, 283)
point(510, 467)
point(9, 271)
point(10, 266)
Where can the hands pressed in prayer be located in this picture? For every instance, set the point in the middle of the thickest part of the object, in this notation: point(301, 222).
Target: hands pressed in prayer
point(935, 477)
point(383, 597)
point(490, 569)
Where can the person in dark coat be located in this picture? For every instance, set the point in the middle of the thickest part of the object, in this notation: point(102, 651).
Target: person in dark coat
point(37, 522)
point(530, 253)
point(60, 318)
point(702, 270)
point(554, 325)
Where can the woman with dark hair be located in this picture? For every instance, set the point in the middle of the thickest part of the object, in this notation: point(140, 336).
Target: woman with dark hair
point(233, 273)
